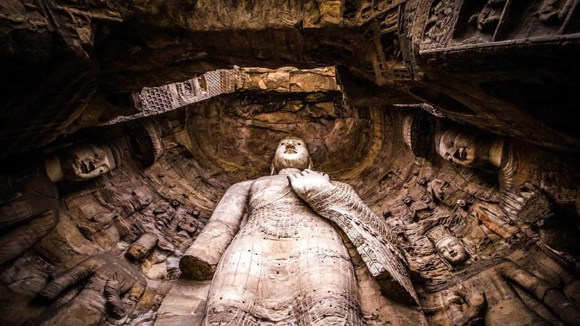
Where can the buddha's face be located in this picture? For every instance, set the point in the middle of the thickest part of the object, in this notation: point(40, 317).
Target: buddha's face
point(452, 250)
point(462, 148)
point(87, 161)
point(291, 153)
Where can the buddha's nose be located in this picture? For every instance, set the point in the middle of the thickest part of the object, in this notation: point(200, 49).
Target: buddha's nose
point(457, 153)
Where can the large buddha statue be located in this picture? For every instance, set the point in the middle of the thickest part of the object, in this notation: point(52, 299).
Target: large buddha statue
point(280, 249)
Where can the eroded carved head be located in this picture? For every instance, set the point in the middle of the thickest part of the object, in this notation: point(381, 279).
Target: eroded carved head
point(452, 250)
point(462, 147)
point(291, 153)
point(87, 161)
point(469, 148)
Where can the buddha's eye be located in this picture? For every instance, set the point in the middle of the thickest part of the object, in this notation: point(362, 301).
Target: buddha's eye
point(282, 144)
point(451, 143)
point(299, 143)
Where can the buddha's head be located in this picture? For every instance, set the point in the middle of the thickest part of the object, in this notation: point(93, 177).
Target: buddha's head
point(291, 153)
point(87, 161)
point(81, 162)
point(452, 250)
point(465, 148)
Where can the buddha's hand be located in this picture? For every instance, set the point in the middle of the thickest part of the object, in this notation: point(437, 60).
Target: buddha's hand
point(467, 307)
point(308, 183)
point(110, 285)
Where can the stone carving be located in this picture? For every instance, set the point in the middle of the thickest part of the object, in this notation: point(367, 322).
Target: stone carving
point(439, 25)
point(112, 286)
point(141, 248)
point(147, 141)
point(552, 12)
point(281, 235)
point(156, 100)
point(491, 280)
point(523, 207)
point(82, 162)
point(544, 222)
point(72, 21)
point(469, 148)
point(28, 210)
point(29, 198)
point(466, 308)
point(489, 17)
point(451, 249)
point(423, 106)
point(495, 220)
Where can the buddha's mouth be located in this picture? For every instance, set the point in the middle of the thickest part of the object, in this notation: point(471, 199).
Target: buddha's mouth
point(290, 151)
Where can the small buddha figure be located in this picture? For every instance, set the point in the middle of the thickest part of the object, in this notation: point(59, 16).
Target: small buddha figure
point(452, 251)
point(494, 279)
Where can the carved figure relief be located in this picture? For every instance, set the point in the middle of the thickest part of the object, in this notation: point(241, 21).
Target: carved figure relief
point(113, 286)
point(439, 25)
point(29, 206)
point(498, 20)
point(28, 210)
point(524, 206)
point(554, 11)
point(488, 18)
point(490, 281)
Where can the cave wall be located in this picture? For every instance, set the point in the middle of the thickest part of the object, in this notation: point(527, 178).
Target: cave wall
point(175, 167)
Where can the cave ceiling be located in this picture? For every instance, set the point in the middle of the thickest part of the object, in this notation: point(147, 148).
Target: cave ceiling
point(504, 84)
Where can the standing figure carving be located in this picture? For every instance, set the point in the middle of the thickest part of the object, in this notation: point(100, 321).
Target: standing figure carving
point(277, 249)
point(490, 285)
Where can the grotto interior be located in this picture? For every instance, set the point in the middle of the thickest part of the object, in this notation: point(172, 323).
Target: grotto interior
point(147, 176)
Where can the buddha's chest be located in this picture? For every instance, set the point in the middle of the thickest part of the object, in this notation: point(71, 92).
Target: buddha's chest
point(276, 211)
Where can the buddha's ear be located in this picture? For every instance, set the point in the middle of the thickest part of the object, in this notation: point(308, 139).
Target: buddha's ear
point(309, 164)
point(272, 168)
